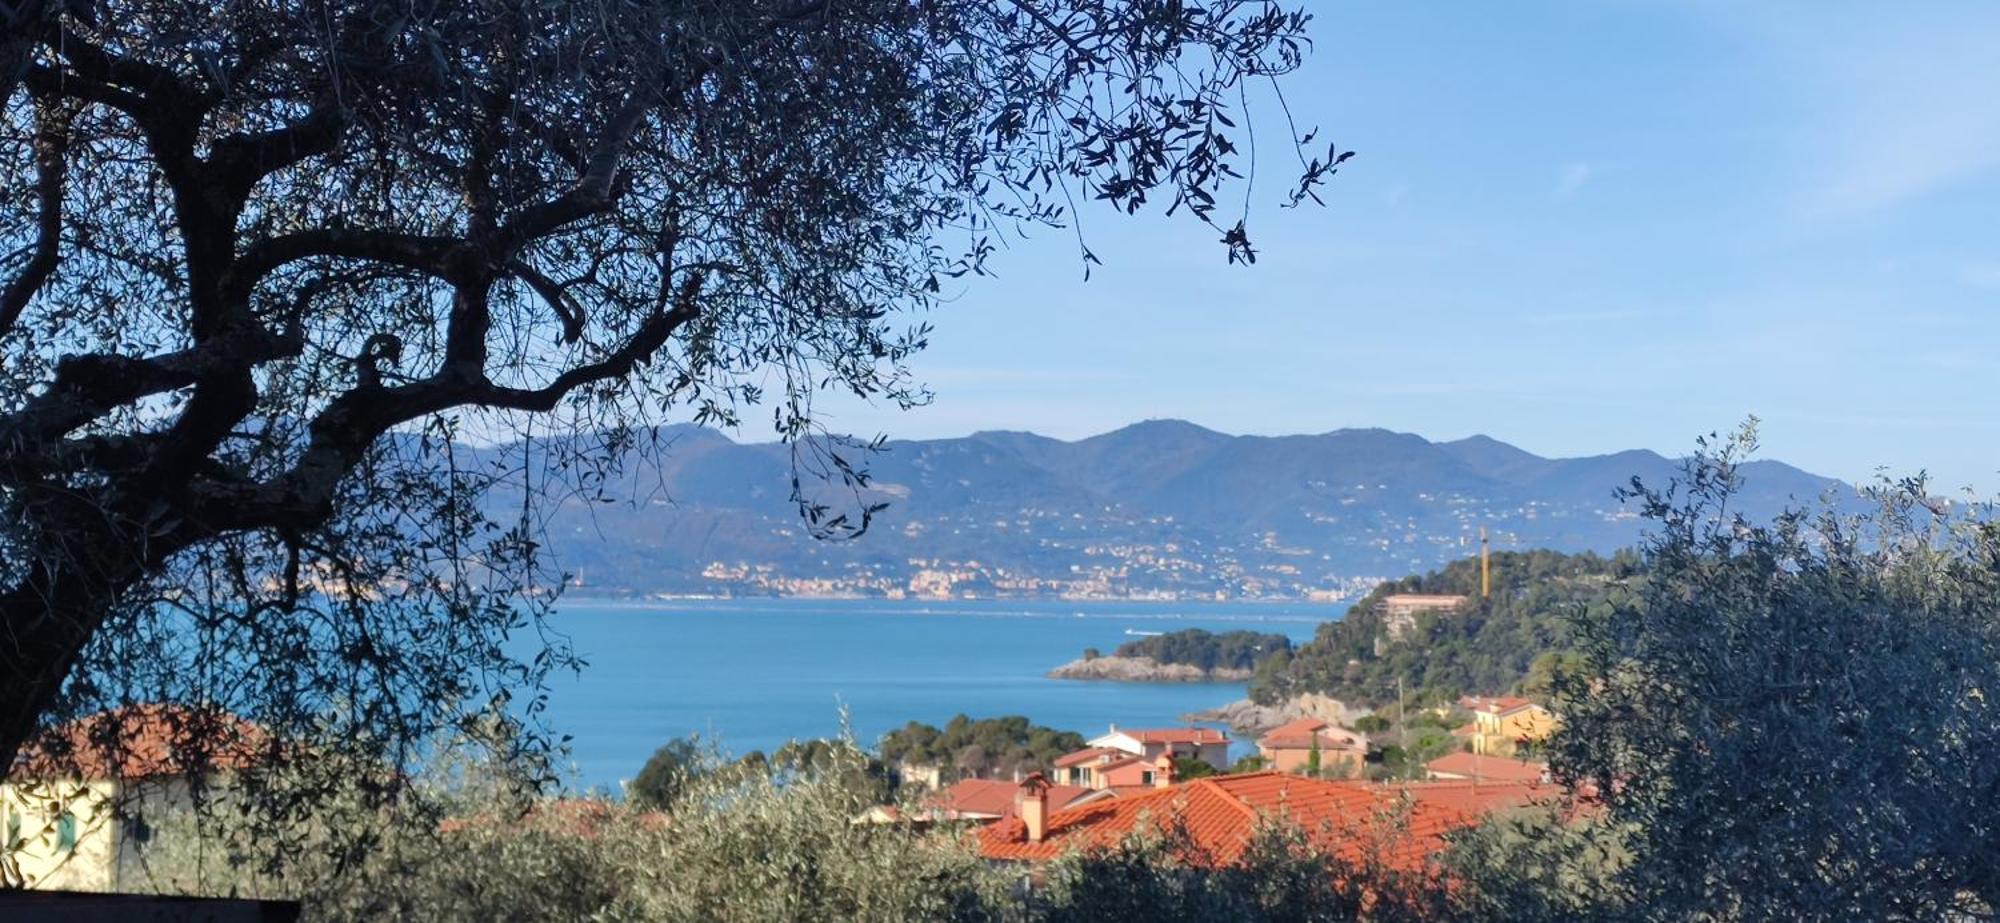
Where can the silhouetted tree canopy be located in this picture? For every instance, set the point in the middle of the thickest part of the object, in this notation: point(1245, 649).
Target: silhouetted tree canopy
point(1793, 719)
point(273, 269)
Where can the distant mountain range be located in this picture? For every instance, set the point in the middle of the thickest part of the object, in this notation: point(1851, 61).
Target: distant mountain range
point(1162, 508)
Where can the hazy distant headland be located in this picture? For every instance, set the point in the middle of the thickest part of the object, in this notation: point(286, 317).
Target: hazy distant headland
point(1159, 510)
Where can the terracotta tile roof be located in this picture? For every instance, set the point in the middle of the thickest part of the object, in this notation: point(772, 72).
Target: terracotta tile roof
point(1086, 755)
point(995, 797)
point(1500, 705)
point(1487, 768)
point(1176, 736)
point(146, 741)
point(1292, 734)
point(1220, 814)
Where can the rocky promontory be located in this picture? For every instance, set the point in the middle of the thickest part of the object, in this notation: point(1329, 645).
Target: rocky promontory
point(1246, 717)
point(1145, 670)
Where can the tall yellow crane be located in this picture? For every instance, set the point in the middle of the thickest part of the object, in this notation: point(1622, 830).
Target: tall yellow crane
point(1485, 566)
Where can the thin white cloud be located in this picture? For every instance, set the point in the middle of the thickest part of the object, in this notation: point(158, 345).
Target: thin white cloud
point(1984, 276)
point(1585, 317)
point(1897, 100)
point(1574, 176)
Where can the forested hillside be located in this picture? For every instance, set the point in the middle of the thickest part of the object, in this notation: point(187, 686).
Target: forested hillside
point(1229, 650)
point(1160, 508)
point(1509, 642)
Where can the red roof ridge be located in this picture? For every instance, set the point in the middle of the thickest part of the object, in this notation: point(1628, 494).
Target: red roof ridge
point(1209, 784)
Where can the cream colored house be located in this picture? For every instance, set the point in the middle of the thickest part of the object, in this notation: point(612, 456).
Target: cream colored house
point(74, 811)
point(1501, 726)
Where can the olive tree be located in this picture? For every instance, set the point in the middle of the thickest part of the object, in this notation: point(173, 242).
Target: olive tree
point(1795, 719)
point(275, 272)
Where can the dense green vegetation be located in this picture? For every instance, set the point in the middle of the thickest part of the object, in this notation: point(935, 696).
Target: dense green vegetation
point(750, 847)
point(1230, 650)
point(1513, 641)
point(1795, 718)
point(987, 747)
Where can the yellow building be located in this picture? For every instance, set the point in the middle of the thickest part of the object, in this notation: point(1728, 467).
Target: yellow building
point(1500, 726)
point(74, 812)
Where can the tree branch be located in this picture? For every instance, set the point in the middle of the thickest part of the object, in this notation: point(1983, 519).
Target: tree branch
point(566, 307)
point(341, 434)
point(432, 256)
point(248, 158)
point(51, 163)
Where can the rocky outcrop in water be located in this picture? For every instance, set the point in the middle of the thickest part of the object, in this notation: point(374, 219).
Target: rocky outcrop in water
point(1144, 670)
point(1249, 718)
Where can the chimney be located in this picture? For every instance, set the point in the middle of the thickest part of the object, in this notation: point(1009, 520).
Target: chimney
point(1032, 803)
point(1163, 770)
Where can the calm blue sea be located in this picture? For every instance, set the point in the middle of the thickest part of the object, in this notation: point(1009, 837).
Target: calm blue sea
point(753, 674)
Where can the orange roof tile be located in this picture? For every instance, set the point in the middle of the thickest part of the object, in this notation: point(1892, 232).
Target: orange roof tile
point(1305, 732)
point(1220, 814)
point(1295, 733)
point(1086, 755)
point(1499, 705)
point(995, 797)
point(146, 741)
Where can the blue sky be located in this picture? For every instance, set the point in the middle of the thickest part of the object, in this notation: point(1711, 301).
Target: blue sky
point(1575, 227)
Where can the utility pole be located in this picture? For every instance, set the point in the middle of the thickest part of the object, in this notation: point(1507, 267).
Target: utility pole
point(1403, 722)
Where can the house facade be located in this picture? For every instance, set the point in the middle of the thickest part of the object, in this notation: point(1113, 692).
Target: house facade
point(1400, 610)
point(81, 806)
point(1209, 745)
point(1313, 746)
point(1503, 725)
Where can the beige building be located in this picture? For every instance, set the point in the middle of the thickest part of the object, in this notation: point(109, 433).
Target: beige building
point(1400, 610)
point(1501, 726)
point(1290, 747)
point(75, 810)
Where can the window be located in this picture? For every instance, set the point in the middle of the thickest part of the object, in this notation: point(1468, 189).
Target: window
point(66, 831)
point(1146, 778)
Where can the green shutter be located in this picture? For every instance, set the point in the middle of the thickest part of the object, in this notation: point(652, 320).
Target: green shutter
point(66, 831)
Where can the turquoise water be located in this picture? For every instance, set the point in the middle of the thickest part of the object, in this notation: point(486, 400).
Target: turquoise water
point(753, 674)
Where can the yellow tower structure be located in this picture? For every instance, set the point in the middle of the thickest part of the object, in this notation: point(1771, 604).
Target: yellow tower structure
point(1485, 566)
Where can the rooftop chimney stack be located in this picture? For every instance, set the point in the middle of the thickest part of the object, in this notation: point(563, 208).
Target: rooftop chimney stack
point(1163, 770)
point(1032, 803)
